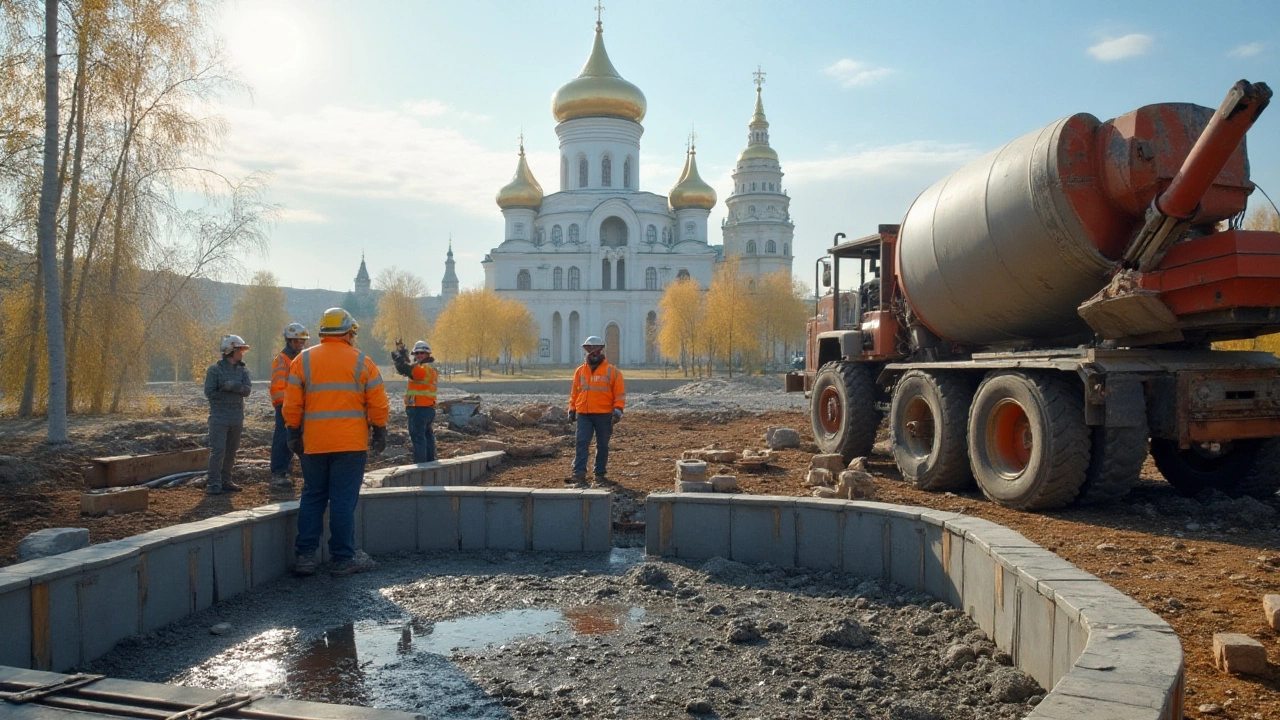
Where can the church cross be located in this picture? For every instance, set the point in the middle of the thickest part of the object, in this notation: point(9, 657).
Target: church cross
point(759, 76)
point(599, 9)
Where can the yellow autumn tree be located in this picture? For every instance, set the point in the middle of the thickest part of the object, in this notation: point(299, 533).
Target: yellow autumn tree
point(399, 314)
point(517, 331)
point(680, 313)
point(781, 314)
point(730, 321)
point(466, 330)
point(259, 317)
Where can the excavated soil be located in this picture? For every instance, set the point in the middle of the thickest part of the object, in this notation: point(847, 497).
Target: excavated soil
point(1203, 564)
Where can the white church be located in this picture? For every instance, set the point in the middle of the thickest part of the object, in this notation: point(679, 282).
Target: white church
point(594, 258)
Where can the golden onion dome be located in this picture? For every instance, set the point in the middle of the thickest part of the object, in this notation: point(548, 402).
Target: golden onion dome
point(523, 191)
point(598, 91)
point(690, 191)
point(758, 152)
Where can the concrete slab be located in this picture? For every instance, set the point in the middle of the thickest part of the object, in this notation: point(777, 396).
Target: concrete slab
point(979, 584)
point(906, 551)
point(437, 520)
point(508, 519)
point(866, 544)
point(272, 546)
point(232, 570)
point(700, 527)
point(597, 532)
point(1034, 639)
point(177, 580)
point(471, 521)
point(762, 530)
point(819, 528)
point(390, 522)
point(109, 609)
point(15, 641)
point(559, 517)
point(1006, 610)
point(943, 549)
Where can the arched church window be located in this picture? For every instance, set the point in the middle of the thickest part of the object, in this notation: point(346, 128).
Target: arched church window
point(557, 279)
point(666, 236)
point(582, 172)
point(751, 247)
point(651, 235)
point(541, 237)
point(690, 231)
point(753, 187)
point(626, 173)
point(651, 279)
point(606, 171)
point(771, 247)
point(564, 172)
point(517, 231)
point(683, 274)
point(786, 249)
point(575, 278)
point(557, 235)
point(573, 234)
point(523, 280)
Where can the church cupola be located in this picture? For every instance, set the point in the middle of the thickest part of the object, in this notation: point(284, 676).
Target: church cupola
point(690, 191)
point(523, 191)
point(598, 91)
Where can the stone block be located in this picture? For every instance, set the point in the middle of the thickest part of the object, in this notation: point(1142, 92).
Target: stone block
point(691, 470)
point(720, 456)
point(1033, 642)
point(1271, 610)
point(558, 518)
point(115, 501)
point(597, 534)
point(692, 486)
point(819, 477)
point(865, 547)
point(781, 437)
point(907, 552)
point(819, 525)
point(508, 518)
point(52, 541)
point(831, 462)
point(724, 483)
point(763, 529)
point(1240, 654)
point(437, 520)
point(390, 522)
point(754, 458)
point(700, 527)
point(491, 444)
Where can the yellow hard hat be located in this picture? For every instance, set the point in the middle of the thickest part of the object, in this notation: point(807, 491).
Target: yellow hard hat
point(337, 321)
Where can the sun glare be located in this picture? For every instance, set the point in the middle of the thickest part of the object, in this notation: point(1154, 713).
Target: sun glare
point(267, 44)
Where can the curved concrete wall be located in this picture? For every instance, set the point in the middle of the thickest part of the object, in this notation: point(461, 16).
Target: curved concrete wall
point(1104, 656)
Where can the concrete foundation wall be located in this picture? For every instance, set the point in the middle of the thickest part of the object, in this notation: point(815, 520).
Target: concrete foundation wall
point(1103, 655)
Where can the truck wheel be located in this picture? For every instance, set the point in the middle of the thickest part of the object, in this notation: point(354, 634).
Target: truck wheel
point(843, 409)
point(1028, 444)
point(1222, 468)
point(1115, 463)
point(928, 429)
point(1263, 479)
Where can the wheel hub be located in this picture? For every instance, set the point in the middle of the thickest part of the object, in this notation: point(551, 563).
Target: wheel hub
point(1010, 438)
point(830, 411)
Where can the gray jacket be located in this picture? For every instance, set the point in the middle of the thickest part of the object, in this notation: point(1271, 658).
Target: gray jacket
point(227, 407)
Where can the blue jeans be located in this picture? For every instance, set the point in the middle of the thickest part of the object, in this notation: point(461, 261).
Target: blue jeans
point(281, 455)
point(331, 479)
point(420, 432)
point(601, 424)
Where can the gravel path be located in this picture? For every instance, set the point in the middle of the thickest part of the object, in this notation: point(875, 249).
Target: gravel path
point(744, 394)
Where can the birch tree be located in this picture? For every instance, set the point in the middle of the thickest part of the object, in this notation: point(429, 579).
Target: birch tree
point(399, 313)
point(680, 313)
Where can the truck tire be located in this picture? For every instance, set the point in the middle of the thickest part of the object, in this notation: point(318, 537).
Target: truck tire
point(1116, 457)
point(928, 429)
point(843, 410)
point(1028, 444)
point(1242, 467)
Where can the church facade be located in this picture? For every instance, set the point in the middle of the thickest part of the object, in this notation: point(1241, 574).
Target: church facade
point(594, 257)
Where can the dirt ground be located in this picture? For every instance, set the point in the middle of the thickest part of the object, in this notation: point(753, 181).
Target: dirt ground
point(1203, 565)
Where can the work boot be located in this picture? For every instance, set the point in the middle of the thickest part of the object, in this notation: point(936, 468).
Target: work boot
point(228, 486)
point(348, 566)
point(214, 489)
point(578, 477)
point(305, 565)
point(281, 481)
point(602, 480)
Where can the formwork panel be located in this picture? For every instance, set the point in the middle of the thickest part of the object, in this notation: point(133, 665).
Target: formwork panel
point(437, 520)
point(15, 603)
point(979, 586)
point(179, 580)
point(507, 518)
point(819, 525)
point(272, 546)
point(390, 522)
point(109, 606)
point(866, 544)
point(907, 552)
point(700, 527)
point(1035, 635)
point(471, 522)
point(762, 530)
point(230, 576)
point(597, 530)
point(1006, 610)
point(941, 547)
point(1067, 632)
point(558, 520)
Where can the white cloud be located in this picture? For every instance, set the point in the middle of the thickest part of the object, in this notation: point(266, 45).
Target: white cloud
point(1247, 50)
point(853, 73)
point(1119, 48)
point(297, 215)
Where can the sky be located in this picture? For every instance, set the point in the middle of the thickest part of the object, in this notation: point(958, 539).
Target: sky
point(387, 126)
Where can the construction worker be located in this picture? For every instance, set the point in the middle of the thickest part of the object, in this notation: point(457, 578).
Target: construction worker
point(226, 384)
point(419, 397)
point(596, 401)
point(295, 339)
point(333, 397)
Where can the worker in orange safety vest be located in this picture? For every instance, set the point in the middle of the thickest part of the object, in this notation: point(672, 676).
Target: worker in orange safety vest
point(596, 400)
point(295, 339)
point(333, 398)
point(419, 397)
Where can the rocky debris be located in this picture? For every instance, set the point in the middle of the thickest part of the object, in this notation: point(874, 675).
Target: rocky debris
point(524, 452)
point(778, 438)
point(52, 541)
point(555, 414)
point(742, 630)
point(697, 706)
point(818, 477)
point(502, 417)
point(957, 655)
point(691, 470)
point(1240, 654)
point(649, 574)
point(751, 458)
point(831, 462)
point(1011, 686)
point(221, 628)
point(711, 453)
point(490, 444)
point(842, 633)
point(724, 483)
point(1271, 610)
point(1209, 709)
point(477, 424)
point(458, 412)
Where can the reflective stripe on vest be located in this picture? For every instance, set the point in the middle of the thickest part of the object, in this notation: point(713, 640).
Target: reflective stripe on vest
point(424, 388)
point(587, 383)
point(310, 387)
point(279, 376)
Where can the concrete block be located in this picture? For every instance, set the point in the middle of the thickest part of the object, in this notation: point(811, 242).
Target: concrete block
point(1069, 638)
point(1271, 611)
point(700, 526)
point(819, 529)
point(15, 607)
point(1034, 638)
point(55, 626)
point(943, 550)
point(694, 486)
point(471, 520)
point(1006, 610)
point(559, 519)
point(979, 585)
point(1141, 701)
point(116, 501)
point(658, 511)
point(390, 522)
point(865, 549)
point(724, 483)
point(907, 552)
point(1239, 654)
point(232, 559)
point(508, 519)
point(597, 535)
point(176, 580)
point(108, 600)
point(763, 529)
point(272, 547)
point(1061, 706)
point(437, 520)
point(691, 470)
point(52, 541)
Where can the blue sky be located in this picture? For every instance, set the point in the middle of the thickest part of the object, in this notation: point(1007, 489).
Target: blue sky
point(389, 125)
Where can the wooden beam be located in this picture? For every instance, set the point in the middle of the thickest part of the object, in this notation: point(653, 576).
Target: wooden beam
point(126, 470)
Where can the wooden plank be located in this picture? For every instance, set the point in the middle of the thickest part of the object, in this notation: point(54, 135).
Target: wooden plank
point(126, 470)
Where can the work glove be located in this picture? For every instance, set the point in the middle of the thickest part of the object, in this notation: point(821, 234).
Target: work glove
point(230, 386)
point(295, 440)
point(617, 415)
point(379, 442)
point(573, 416)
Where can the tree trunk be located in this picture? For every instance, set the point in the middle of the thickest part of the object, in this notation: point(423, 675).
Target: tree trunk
point(47, 234)
point(26, 406)
point(73, 208)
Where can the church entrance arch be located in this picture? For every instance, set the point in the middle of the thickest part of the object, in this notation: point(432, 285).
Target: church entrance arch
point(613, 344)
point(613, 232)
point(574, 338)
point(557, 339)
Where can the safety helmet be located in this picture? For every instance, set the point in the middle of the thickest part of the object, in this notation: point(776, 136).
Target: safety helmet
point(231, 343)
point(593, 341)
point(296, 331)
point(337, 322)
point(422, 346)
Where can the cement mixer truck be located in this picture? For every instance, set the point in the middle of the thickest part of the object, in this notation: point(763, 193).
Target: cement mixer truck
point(1045, 316)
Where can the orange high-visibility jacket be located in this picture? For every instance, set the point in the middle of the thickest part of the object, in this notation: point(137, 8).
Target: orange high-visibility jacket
point(597, 390)
point(334, 393)
point(421, 390)
point(279, 378)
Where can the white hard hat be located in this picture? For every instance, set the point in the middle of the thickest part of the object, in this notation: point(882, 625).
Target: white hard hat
point(231, 343)
point(422, 346)
point(296, 331)
point(594, 340)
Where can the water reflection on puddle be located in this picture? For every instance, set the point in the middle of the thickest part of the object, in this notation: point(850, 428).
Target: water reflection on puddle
point(391, 664)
